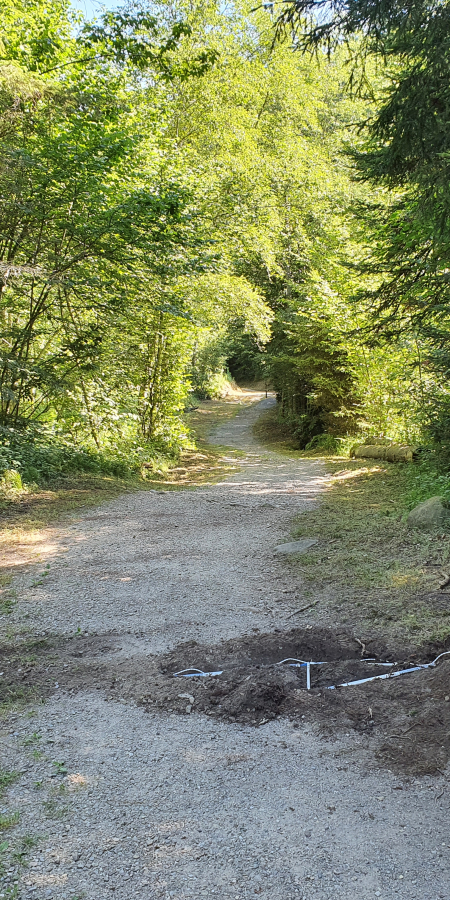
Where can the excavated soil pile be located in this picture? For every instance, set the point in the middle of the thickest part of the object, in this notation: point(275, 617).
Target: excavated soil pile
point(409, 714)
point(407, 717)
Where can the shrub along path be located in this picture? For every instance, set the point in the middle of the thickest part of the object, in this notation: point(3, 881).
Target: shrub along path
point(131, 783)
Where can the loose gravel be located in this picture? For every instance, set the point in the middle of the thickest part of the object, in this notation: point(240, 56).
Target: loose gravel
point(116, 801)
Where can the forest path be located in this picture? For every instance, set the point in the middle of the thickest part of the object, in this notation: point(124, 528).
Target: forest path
point(153, 804)
point(174, 565)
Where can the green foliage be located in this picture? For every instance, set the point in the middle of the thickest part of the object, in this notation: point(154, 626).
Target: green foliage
point(438, 429)
point(133, 37)
point(37, 455)
point(405, 152)
point(247, 360)
point(208, 363)
point(426, 480)
point(8, 820)
point(323, 442)
point(324, 24)
point(111, 274)
point(11, 480)
point(175, 207)
point(34, 33)
point(144, 169)
point(311, 373)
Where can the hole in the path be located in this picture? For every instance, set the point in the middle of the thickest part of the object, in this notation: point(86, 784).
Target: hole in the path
point(405, 720)
point(336, 657)
point(408, 715)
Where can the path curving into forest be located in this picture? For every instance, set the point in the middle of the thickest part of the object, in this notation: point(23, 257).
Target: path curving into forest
point(162, 801)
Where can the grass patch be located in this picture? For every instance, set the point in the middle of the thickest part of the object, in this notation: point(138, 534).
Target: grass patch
point(6, 780)
point(276, 436)
point(54, 810)
point(13, 859)
point(37, 508)
point(25, 844)
point(7, 603)
point(9, 820)
point(369, 570)
point(15, 698)
point(7, 595)
point(426, 481)
point(31, 739)
point(369, 566)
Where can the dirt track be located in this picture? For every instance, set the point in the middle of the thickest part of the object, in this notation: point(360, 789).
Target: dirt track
point(139, 793)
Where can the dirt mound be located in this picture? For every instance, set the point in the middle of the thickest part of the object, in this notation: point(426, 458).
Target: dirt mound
point(405, 719)
point(266, 649)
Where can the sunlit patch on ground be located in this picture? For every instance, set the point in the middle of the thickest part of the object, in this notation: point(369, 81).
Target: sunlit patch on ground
point(76, 780)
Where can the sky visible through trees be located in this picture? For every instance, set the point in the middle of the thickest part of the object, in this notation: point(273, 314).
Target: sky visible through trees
point(92, 8)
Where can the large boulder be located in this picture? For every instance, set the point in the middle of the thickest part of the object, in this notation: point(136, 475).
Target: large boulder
point(432, 513)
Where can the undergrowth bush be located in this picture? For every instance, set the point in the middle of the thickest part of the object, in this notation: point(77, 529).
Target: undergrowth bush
point(36, 455)
point(425, 481)
point(213, 386)
point(40, 456)
point(323, 442)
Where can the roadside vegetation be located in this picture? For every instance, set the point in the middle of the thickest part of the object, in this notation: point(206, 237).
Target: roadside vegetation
point(187, 201)
point(196, 196)
point(369, 570)
point(24, 509)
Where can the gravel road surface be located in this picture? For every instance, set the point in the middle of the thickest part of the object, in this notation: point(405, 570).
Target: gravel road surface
point(118, 802)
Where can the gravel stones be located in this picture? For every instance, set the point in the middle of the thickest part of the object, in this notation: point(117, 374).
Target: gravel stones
point(164, 804)
point(197, 807)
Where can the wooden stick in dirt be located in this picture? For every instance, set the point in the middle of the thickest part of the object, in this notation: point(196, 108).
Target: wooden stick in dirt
point(303, 609)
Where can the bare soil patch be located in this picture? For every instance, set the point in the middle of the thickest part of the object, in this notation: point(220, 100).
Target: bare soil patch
point(409, 714)
point(408, 717)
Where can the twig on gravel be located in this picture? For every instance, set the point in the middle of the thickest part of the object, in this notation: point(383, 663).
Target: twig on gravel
point(363, 646)
point(303, 609)
point(414, 725)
